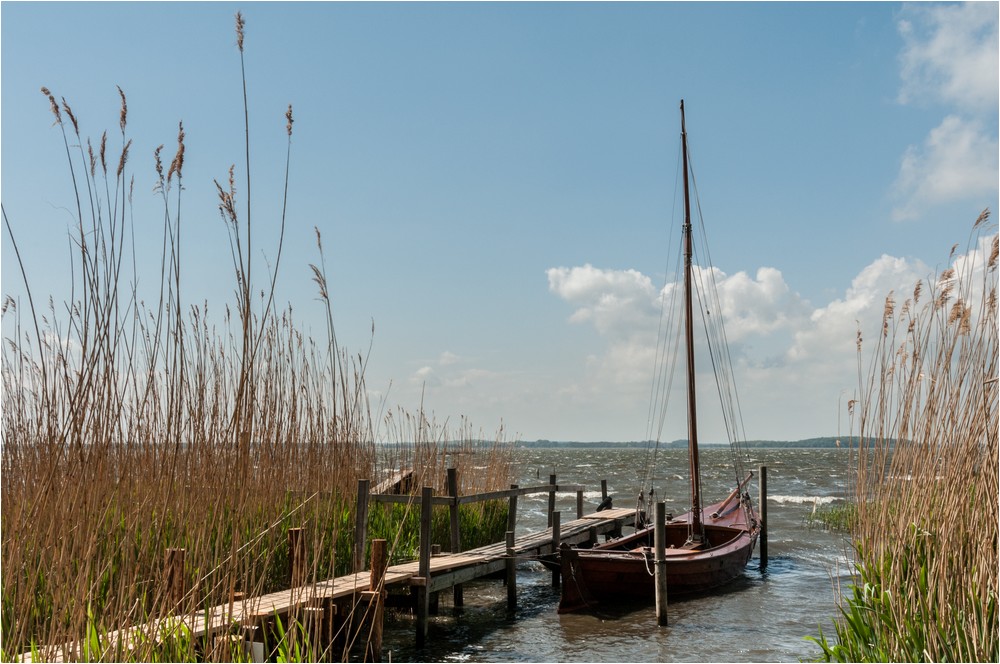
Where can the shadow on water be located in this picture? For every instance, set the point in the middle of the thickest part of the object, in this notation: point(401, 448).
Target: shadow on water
point(458, 633)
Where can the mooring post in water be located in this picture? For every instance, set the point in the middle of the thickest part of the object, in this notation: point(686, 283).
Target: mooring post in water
point(456, 535)
point(361, 525)
point(604, 490)
point(556, 541)
point(552, 497)
point(511, 573)
point(763, 516)
point(579, 503)
point(424, 565)
point(660, 563)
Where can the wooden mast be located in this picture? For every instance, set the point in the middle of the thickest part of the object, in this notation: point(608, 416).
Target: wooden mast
point(697, 528)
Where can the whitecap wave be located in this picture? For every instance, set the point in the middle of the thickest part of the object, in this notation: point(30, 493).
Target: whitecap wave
point(804, 500)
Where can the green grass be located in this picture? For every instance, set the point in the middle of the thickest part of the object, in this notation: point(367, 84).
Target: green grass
point(838, 518)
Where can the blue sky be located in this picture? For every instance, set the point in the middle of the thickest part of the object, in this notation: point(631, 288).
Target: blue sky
point(494, 182)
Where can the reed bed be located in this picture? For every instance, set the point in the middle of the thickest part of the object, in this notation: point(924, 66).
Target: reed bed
point(926, 474)
point(135, 422)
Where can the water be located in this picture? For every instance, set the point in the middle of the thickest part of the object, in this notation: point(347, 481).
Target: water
point(762, 617)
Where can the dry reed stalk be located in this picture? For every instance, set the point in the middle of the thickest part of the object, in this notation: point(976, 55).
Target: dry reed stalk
point(926, 479)
point(130, 429)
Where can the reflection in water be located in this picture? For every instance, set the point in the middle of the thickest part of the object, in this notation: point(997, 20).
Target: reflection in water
point(762, 617)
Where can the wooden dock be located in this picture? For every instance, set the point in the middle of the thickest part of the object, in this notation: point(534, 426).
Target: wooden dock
point(357, 597)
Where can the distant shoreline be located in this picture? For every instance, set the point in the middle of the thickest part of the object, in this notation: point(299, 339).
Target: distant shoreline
point(824, 442)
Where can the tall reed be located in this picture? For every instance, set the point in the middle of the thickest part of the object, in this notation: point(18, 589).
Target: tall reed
point(926, 489)
point(136, 424)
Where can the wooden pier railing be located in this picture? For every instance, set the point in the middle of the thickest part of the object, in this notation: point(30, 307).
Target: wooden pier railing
point(352, 605)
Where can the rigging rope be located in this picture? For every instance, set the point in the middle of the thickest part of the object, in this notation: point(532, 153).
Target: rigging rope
point(667, 357)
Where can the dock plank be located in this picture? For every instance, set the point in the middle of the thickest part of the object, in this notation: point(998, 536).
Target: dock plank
point(446, 569)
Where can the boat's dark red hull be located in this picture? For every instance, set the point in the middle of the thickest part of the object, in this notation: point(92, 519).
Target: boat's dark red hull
point(623, 569)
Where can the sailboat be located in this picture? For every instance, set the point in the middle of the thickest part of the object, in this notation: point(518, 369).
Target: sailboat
point(708, 546)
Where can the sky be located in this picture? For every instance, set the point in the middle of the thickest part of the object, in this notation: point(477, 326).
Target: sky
point(494, 183)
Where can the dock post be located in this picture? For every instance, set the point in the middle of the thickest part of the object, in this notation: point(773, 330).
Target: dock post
point(174, 572)
point(296, 557)
point(296, 575)
point(456, 535)
point(317, 620)
point(552, 497)
point(556, 541)
point(512, 509)
point(424, 565)
point(579, 503)
point(604, 490)
point(660, 563)
point(762, 483)
point(511, 573)
point(376, 585)
point(361, 525)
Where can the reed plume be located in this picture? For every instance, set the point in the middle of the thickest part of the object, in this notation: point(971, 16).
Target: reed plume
point(925, 481)
point(134, 425)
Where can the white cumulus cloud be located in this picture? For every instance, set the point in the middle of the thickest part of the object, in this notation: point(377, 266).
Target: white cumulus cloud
point(950, 54)
point(790, 356)
point(610, 299)
point(950, 57)
point(958, 159)
point(828, 341)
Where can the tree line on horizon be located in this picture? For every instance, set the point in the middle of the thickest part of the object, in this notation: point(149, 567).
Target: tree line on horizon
point(681, 443)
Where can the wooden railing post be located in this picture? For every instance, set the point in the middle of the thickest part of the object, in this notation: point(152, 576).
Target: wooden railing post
point(511, 573)
point(174, 574)
point(556, 541)
point(376, 584)
point(552, 498)
point(512, 509)
point(296, 557)
point(361, 525)
point(456, 535)
point(424, 565)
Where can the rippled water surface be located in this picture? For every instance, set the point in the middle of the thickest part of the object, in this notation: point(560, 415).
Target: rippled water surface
point(762, 617)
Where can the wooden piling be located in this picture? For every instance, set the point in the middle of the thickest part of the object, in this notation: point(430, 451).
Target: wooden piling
point(762, 501)
point(252, 641)
point(223, 648)
point(361, 525)
point(511, 573)
point(424, 564)
point(316, 622)
point(512, 509)
point(552, 499)
point(660, 563)
point(376, 584)
point(456, 535)
point(264, 640)
point(297, 557)
point(579, 503)
point(556, 541)
point(604, 490)
point(173, 567)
